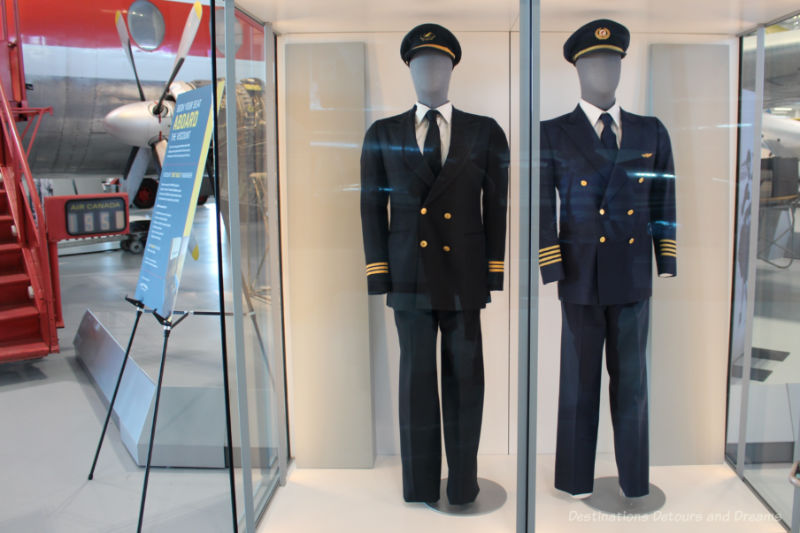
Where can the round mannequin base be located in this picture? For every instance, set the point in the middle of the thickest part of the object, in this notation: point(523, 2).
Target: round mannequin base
point(491, 498)
point(608, 498)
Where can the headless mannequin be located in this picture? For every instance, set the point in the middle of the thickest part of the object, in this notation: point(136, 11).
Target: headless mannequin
point(430, 72)
point(599, 74)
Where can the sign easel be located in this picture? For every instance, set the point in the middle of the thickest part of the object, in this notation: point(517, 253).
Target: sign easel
point(168, 243)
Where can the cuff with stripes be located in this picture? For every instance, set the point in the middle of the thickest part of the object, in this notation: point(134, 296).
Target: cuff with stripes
point(666, 257)
point(378, 279)
point(550, 263)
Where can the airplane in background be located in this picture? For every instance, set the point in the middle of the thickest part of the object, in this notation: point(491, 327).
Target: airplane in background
point(102, 67)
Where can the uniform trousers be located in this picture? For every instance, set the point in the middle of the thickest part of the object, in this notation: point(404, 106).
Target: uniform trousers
point(623, 329)
point(462, 402)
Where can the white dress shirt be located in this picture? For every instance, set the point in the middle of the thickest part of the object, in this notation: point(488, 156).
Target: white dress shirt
point(442, 120)
point(593, 113)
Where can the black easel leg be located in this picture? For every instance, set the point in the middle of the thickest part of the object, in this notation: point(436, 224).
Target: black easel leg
point(167, 329)
point(116, 390)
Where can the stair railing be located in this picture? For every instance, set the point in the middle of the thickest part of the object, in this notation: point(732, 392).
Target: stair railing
point(26, 210)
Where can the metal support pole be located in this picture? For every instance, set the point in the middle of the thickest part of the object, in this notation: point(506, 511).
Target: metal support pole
point(220, 277)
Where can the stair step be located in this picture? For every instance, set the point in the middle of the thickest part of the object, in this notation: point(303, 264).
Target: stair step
point(19, 351)
point(9, 247)
point(14, 312)
point(13, 279)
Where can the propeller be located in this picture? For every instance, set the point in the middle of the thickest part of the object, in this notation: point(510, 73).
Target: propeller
point(187, 38)
point(145, 125)
point(125, 40)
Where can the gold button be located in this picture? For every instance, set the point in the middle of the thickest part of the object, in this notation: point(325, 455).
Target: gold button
point(630, 241)
point(602, 239)
point(448, 216)
point(423, 244)
point(630, 212)
point(423, 211)
point(602, 211)
point(641, 180)
point(446, 248)
point(584, 183)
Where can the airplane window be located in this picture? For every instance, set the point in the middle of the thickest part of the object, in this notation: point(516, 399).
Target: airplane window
point(146, 24)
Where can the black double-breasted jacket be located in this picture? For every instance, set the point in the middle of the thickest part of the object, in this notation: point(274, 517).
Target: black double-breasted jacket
point(440, 244)
point(616, 207)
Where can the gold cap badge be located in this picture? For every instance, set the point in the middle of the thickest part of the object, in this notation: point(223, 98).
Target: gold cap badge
point(602, 33)
point(427, 36)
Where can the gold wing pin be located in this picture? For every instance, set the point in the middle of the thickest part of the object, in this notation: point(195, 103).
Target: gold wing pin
point(647, 155)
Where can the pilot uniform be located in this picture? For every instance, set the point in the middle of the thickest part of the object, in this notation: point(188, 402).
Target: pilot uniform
point(436, 254)
point(617, 203)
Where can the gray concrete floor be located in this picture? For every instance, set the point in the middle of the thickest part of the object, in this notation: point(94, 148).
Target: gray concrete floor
point(52, 414)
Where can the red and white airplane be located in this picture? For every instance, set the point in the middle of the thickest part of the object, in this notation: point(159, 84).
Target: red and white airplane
point(108, 70)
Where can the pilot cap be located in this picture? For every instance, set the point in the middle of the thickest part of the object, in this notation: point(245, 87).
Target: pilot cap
point(602, 34)
point(431, 36)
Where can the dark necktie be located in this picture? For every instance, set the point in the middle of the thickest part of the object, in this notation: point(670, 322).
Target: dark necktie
point(607, 137)
point(432, 150)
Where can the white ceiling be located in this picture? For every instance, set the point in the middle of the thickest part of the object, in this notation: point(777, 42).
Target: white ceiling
point(726, 17)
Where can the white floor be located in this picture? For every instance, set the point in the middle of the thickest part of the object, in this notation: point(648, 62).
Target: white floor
point(700, 498)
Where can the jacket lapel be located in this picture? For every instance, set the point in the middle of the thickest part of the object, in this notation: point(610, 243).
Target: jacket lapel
point(457, 155)
point(583, 135)
point(627, 153)
point(411, 154)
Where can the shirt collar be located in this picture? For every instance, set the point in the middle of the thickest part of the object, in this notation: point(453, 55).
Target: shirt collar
point(593, 112)
point(445, 110)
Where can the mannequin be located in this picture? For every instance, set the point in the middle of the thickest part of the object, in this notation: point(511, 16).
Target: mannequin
point(430, 72)
point(599, 73)
point(614, 176)
point(436, 256)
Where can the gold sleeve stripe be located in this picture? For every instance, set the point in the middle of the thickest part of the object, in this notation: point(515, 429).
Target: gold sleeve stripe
point(373, 269)
point(668, 254)
point(549, 255)
point(497, 270)
point(377, 272)
point(497, 262)
point(550, 262)
point(668, 240)
point(548, 248)
point(670, 247)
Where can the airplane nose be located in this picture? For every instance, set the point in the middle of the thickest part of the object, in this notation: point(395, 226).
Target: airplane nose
point(133, 123)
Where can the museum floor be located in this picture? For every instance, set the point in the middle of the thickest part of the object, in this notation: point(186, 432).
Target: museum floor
point(52, 414)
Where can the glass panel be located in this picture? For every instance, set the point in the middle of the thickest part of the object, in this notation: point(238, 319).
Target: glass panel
point(741, 261)
point(636, 183)
point(260, 357)
point(773, 414)
point(393, 344)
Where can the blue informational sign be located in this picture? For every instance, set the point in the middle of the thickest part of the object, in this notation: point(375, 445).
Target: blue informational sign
point(176, 201)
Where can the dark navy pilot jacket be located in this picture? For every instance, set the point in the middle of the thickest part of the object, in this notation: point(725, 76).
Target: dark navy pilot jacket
point(616, 209)
point(440, 244)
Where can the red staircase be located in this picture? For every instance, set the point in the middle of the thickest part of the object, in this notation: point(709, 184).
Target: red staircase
point(27, 312)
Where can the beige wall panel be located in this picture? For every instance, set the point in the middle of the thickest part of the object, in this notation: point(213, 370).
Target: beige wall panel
point(331, 415)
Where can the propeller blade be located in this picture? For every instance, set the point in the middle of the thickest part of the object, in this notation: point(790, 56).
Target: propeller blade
point(135, 174)
point(189, 33)
point(194, 246)
point(125, 40)
point(160, 150)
